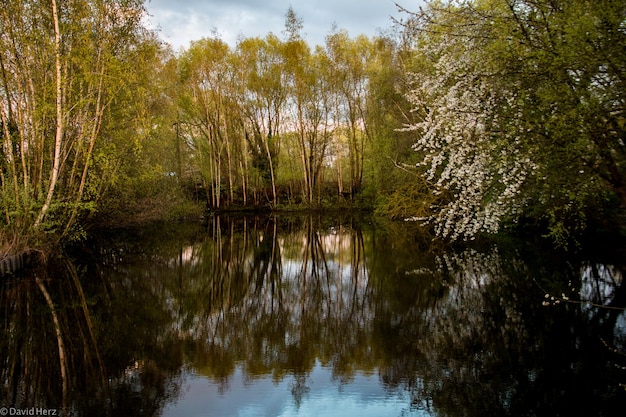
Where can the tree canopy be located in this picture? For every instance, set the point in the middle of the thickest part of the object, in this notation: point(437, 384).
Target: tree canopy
point(70, 104)
point(519, 111)
point(472, 116)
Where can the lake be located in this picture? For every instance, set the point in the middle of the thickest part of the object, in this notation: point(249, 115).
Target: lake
point(312, 315)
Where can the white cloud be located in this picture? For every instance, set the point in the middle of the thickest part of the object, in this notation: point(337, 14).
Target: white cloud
point(182, 21)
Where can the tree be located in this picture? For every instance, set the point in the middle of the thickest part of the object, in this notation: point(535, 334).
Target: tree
point(263, 100)
point(206, 72)
point(293, 25)
point(53, 114)
point(349, 64)
point(311, 112)
point(58, 105)
point(518, 110)
point(140, 164)
point(573, 63)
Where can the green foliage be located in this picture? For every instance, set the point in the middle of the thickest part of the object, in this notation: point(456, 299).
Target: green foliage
point(512, 109)
point(73, 103)
point(271, 119)
point(407, 202)
point(518, 111)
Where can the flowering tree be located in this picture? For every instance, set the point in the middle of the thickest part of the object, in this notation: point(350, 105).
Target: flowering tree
point(477, 166)
point(509, 120)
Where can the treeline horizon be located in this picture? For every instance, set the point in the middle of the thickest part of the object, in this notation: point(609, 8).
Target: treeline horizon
point(273, 122)
point(471, 117)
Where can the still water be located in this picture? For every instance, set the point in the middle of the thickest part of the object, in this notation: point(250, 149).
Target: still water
point(312, 316)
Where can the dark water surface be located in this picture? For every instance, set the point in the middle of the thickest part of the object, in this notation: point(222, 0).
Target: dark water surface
point(312, 316)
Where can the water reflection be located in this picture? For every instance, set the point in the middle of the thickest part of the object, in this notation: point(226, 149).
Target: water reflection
point(296, 315)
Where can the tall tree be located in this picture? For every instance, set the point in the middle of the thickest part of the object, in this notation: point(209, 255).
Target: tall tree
point(88, 43)
point(520, 111)
point(58, 105)
point(265, 98)
point(214, 115)
point(349, 63)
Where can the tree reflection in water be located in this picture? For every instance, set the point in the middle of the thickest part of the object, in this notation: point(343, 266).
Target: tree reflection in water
point(138, 312)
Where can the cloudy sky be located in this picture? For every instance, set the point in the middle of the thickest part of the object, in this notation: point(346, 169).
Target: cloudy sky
point(181, 21)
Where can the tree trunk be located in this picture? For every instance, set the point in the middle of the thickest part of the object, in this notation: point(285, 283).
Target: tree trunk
point(59, 119)
point(271, 164)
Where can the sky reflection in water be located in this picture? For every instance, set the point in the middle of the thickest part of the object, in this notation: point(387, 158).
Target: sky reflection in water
point(322, 396)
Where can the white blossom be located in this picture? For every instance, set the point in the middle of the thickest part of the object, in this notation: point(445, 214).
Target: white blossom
point(468, 153)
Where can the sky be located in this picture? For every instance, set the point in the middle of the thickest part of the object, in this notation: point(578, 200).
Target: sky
point(181, 21)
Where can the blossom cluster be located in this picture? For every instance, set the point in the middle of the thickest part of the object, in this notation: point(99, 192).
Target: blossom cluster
point(468, 142)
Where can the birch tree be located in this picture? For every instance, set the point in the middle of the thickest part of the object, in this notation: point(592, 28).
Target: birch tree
point(214, 115)
point(349, 63)
point(264, 102)
point(307, 76)
point(63, 64)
